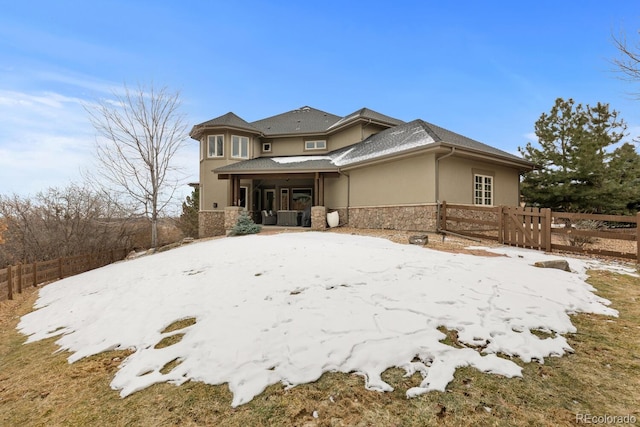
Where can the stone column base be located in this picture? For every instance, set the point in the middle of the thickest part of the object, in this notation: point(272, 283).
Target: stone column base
point(318, 218)
point(231, 215)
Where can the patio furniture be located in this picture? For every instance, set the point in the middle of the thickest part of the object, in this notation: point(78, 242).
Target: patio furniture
point(269, 218)
point(288, 218)
point(306, 217)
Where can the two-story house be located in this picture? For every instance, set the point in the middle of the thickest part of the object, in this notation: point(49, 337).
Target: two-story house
point(374, 170)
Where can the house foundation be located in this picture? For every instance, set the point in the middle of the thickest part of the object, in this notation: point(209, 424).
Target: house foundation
point(210, 223)
point(406, 218)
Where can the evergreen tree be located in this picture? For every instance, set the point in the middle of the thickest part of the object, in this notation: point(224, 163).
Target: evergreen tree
point(189, 217)
point(624, 179)
point(572, 160)
point(244, 225)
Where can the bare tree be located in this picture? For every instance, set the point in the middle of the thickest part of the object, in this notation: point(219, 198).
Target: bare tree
point(140, 131)
point(61, 222)
point(628, 64)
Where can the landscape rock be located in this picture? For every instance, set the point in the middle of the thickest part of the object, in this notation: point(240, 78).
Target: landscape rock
point(560, 264)
point(419, 239)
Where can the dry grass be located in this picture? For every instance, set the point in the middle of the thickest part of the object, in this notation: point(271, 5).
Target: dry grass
point(38, 387)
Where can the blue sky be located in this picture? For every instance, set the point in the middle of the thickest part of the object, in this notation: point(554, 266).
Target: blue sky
point(486, 70)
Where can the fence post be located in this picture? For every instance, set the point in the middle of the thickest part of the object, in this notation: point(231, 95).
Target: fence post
point(500, 214)
point(35, 274)
point(9, 282)
point(19, 278)
point(638, 237)
point(60, 276)
point(547, 229)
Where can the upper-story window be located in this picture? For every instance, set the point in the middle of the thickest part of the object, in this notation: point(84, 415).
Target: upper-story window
point(240, 147)
point(483, 190)
point(266, 147)
point(315, 145)
point(215, 146)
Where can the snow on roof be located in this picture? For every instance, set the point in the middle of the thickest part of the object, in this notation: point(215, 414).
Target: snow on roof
point(286, 308)
point(298, 159)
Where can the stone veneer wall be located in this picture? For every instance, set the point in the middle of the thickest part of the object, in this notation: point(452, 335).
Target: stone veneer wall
point(408, 218)
point(318, 218)
point(342, 215)
point(210, 223)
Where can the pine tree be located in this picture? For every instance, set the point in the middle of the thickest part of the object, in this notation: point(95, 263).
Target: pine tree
point(623, 176)
point(573, 157)
point(244, 225)
point(189, 218)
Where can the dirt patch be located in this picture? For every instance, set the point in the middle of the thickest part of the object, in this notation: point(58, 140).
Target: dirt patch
point(437, 241)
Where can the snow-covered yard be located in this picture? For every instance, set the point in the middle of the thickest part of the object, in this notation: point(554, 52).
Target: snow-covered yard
point(289, 307)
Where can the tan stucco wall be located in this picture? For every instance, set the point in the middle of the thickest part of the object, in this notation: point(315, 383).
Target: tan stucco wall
point(404, 181)
point(456, 181)
point(284, 147)
point(348, 136)
point(212, 188)
point(335, 192)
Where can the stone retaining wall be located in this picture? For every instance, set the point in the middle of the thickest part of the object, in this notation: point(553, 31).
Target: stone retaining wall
point(410, 218)
point(210, 223)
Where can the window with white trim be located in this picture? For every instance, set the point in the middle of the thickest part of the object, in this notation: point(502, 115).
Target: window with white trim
point(215, 144)
point(483, 190)
point(315, 145)
point(266, 147)
point(239, 147)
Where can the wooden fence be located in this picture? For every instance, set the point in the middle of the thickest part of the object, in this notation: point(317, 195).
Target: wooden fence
point(607, 235)
point(16, 277)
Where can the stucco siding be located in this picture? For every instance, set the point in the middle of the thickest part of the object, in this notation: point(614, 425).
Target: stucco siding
point(335, 192)
point(456, 181)
point(404, 181)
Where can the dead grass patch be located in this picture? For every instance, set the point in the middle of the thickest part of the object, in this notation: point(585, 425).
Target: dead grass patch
point(38, 387)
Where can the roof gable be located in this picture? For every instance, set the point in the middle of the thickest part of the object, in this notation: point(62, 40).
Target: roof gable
point(304, 120)
point(366, 114)
point(229, 120)
point(411, 135)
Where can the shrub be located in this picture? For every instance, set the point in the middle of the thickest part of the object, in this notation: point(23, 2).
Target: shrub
point(244, 225)
point(579, 240)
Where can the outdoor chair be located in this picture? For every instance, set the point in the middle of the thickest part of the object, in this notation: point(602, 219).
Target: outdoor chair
point(269, 218)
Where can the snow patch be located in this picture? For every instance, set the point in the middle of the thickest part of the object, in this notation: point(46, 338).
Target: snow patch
point(365, 305)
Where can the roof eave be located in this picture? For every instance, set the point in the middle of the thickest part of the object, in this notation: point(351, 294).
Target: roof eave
point(522, 165)
point(198, 130)
point(359, 119)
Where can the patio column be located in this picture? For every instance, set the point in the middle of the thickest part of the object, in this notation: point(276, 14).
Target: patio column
point(235, 190)
point(316, 189)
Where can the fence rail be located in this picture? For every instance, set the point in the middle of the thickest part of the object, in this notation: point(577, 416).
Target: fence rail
point(607, 235)
point(17, 277)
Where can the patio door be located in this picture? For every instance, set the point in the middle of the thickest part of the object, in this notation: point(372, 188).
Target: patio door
point(269, 199)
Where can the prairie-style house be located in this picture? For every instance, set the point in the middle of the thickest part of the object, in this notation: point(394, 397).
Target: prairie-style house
point(374, 170)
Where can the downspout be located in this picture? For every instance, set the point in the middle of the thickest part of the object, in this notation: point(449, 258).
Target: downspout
point(453, 149)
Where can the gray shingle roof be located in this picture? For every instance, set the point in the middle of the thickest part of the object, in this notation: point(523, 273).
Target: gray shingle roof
point(417, 133)
point(304, 120)
point(396, 140)
point(226, 120)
